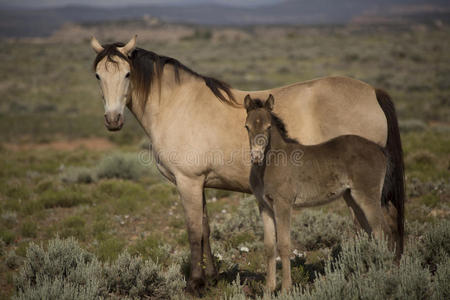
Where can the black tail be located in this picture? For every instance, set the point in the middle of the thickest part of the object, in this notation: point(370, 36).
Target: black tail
point(394, 183)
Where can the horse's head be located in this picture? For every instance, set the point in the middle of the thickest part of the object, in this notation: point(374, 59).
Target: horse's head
point(258, 126)
point(112, 69)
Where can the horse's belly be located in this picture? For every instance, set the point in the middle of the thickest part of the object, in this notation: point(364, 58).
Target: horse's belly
point(235, 184)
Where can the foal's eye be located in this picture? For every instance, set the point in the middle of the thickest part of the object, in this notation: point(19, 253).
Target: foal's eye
point(96, 76)
point(127, 75)
point(246, 127)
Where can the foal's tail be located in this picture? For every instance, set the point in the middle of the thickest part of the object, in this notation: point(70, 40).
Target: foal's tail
point(394, 182)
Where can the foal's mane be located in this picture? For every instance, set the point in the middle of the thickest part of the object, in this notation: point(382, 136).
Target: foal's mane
point(257, 103)
point(147, 65)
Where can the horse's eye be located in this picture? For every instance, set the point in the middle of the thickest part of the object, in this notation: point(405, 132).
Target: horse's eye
point(246, 126)
point(127, 75)
point(96, 76)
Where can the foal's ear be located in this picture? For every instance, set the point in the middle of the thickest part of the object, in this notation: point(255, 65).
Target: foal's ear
point(269, 102)
point(248, 102)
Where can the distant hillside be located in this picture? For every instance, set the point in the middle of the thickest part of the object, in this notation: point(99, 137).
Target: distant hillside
point(15, 22)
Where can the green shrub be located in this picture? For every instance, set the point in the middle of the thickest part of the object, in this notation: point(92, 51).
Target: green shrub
point(9, 218)
point(7, 236)
point(66, 271)
point(165, 194)
point(2, 247)
point(434, 247)
point(31, 207)
point(29, 229)
point(63, 271)
point(412, 125)
point(123, 166)
point(117, 188)
point(365, 269)
point(78, 175)
point(153, 248)
point(441, 281)
point(133, 277)
point(246, 219)
point(66, 198)
point(361, 254)
point(73, 226)
point(124, 197)
point(314, 229)
point(110, 248)
point(12, 261)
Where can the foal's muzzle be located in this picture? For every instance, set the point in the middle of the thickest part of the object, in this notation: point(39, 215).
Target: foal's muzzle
point(257, 157)
point(113, 121)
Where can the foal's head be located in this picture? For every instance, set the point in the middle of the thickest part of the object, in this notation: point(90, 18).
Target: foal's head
point(112, 69)
point(258, 124)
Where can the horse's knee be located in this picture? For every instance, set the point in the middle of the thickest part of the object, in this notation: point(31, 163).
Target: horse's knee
point(269, 249)
point(284, 249)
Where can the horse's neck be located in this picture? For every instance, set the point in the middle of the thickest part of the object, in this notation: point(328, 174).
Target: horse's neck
point(166, 96)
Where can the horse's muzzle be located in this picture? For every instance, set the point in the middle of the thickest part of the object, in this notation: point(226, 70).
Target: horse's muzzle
point(113, 121)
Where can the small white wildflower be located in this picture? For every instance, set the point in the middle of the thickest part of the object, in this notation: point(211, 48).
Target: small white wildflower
point(244, 249)
point(278, 258)
point(298, 253)
point(122, 222)
point(224, 211)
point(218, 256)
point(126, 216)
point(213, 199)
point(170, 213)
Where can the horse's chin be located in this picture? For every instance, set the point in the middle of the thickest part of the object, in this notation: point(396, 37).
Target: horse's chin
point(114, 128)
point(258, 162)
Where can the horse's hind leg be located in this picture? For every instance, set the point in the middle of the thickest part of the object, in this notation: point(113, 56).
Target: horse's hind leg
point(368, 212)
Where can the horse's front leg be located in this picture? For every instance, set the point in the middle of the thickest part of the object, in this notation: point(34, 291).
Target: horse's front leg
point(210, 270)
point(191, 193)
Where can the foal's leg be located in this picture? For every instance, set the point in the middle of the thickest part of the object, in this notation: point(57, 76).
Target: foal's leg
point(269, 248)
point(368, 211)
point(191, 193)
point(210, 270)
point(282, 210)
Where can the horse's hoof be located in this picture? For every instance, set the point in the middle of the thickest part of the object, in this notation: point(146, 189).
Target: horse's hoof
point(195, 287)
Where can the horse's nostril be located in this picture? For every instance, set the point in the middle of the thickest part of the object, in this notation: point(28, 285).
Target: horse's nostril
point(118, 117)
point(106, 118)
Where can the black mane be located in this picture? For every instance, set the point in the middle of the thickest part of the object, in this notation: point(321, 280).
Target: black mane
point(145, 65)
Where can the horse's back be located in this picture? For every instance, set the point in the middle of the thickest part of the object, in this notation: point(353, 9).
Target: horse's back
point(321, 109)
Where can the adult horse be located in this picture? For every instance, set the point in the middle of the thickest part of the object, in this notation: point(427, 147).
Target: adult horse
point(196, 127)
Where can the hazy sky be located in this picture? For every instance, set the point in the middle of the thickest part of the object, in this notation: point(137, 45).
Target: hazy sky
point(46, 3)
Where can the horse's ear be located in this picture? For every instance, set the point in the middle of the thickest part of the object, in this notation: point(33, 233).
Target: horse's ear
point(96, 45)
point(269, 102)
point(248, 102)
point(129, 47)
